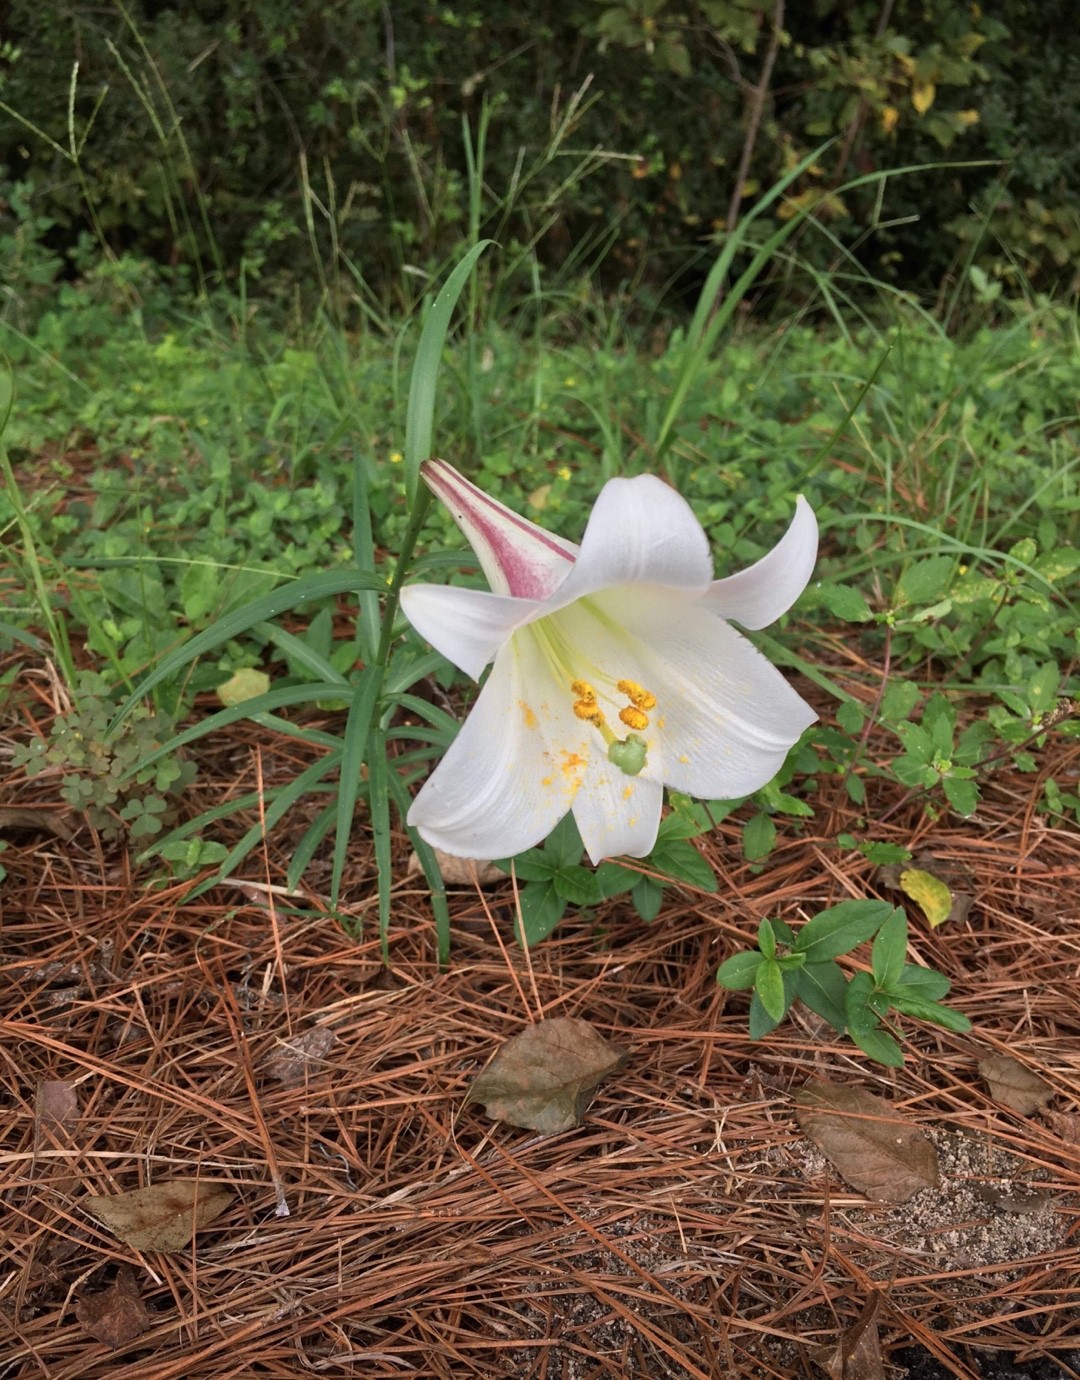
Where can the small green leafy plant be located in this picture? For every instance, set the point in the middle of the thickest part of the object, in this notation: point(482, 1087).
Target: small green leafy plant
point(101, 775)
point(555, 878)
point(787, 966)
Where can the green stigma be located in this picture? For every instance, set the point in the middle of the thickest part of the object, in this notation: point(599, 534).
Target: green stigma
point(628, 755)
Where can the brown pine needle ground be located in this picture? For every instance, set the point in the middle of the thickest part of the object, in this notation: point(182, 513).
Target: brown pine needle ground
point(687, 1229)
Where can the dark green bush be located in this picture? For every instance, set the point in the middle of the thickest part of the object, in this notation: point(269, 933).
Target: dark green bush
point(325, 143)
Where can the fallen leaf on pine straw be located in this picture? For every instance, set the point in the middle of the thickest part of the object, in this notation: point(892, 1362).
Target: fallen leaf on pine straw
point(163, 1217)
point(544, 1078)
point(870, 1144)
point(857, 1355)
point(297, 1060)
point(115, 1315)
point(57, 1107)
point(1014, 1085)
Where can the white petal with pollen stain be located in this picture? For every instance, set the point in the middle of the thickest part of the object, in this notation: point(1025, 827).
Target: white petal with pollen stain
point(488, 798)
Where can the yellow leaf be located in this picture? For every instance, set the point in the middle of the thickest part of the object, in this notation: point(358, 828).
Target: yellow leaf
point(967, 117)
point(889, 117)
point(922, 96)
point(538, 498)
point(929, 893)
point(243, 685)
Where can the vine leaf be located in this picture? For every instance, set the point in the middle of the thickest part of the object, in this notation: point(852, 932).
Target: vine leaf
point(544, 1078)
point(871, 1145)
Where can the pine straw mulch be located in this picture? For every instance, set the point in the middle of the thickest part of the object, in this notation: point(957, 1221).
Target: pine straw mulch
point(686, 1229)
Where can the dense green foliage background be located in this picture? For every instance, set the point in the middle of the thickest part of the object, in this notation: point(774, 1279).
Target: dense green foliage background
point(229, 137)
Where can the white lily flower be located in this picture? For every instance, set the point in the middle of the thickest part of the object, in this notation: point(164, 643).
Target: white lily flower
point(616, 672)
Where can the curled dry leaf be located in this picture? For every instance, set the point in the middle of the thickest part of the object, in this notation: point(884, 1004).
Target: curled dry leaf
point(1014, 1085)
point(300, 1058)
point(115, 1315)
point(871, 1145)
point(163, 1217)
point(544, 1078)
point(459, 871)
point(857, 1355)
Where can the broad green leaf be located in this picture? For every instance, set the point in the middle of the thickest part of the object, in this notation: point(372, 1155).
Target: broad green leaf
point(840, 929)
point(890, 949)
point(541, 910)
point(925, 580)
point(739, 971)
point(844, 602)
point(577, 886)
point(680, 860)
point(880, 1046)
point(822, 986)
point(961, 793)
point(759, 837)
point(648, 896)
point(769, 987)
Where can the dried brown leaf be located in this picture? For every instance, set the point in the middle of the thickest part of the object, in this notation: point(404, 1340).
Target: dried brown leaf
point(57, 1107)
point(1065, 1125)
point(298, 1059)
point(857, 1355)
point(871, 1145)
point(115, 1315)
point(1014, 1085)
point(544, 1078)
point(459, 871)
point(163, 1217)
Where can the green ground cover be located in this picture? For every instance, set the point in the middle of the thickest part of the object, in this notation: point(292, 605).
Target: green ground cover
point(177, 473)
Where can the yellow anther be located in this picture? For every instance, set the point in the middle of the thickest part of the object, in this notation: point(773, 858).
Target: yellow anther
point(634, 718)
point(583, 689)
point(638, 696)
point(589, 711)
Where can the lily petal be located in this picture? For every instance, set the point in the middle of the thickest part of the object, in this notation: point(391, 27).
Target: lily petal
point(497, 790)
point(616, 814)
point(758, 595)
point(725, 717)
point(640, 531)
point(516, 556)
point(467, 625)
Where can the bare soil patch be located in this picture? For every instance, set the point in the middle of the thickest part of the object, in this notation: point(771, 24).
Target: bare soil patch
point(686, 1229)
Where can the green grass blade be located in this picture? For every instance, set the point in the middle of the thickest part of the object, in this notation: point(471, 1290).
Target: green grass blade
point(430, 865)
point(420, 413)
point(254, 708)
point(379, 799)
point(354, 745)
point(321, 585)
point(285, 799)
point(296, 648)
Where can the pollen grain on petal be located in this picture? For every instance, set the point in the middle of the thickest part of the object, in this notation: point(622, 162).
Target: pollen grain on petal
point(528, 714)
point(628, 792)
